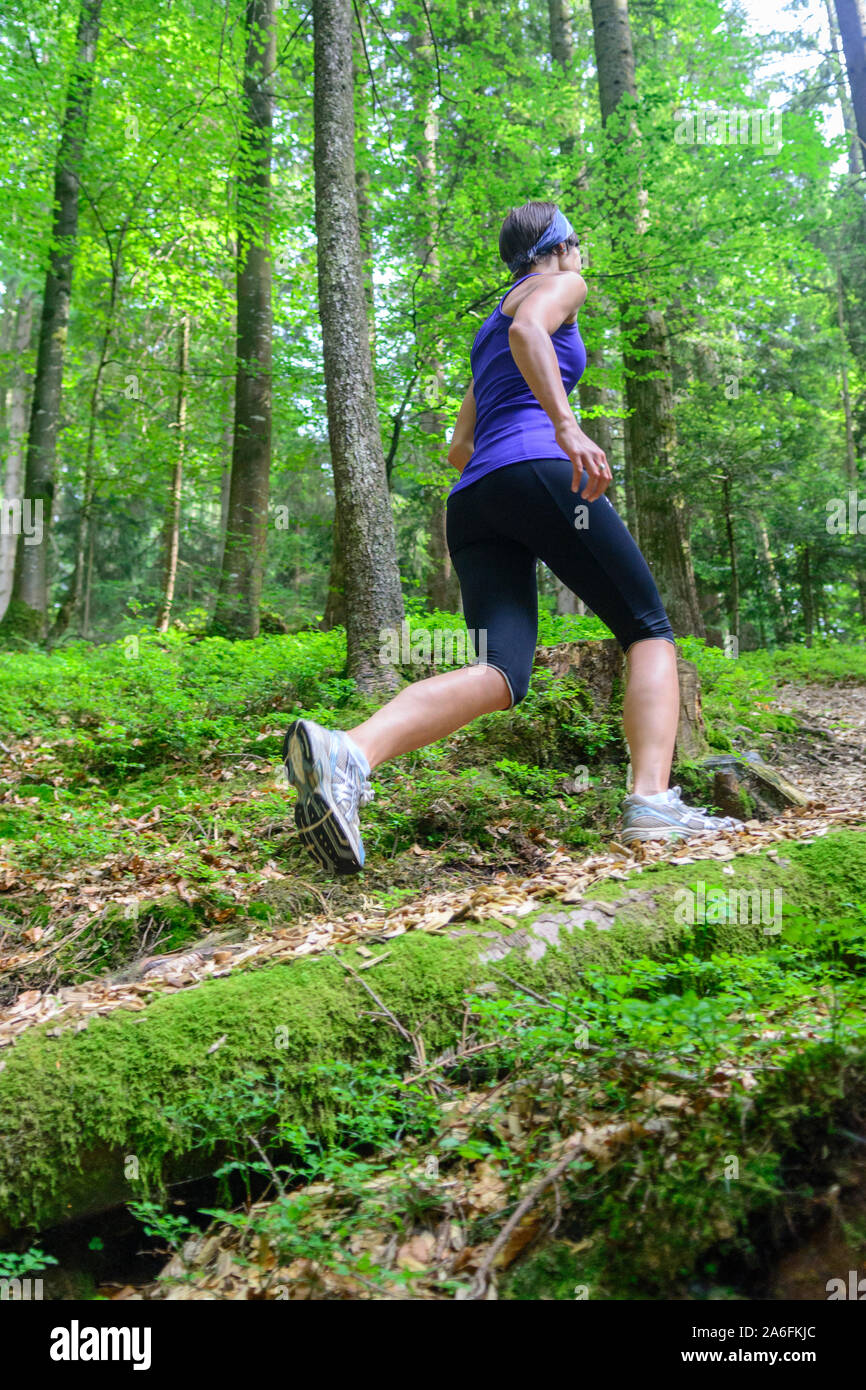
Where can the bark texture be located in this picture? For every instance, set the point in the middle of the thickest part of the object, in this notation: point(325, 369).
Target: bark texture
point(366, 529)
point(18, 332)
point(650, 440)
point(237, 608)
point(27, 614)
point(851, 15)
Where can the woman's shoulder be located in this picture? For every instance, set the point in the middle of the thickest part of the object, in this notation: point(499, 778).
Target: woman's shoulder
point(511, 302)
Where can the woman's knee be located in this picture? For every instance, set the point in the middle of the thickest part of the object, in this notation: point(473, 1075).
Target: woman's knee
point(513, 685)
point(654, 628)
point(517, 679)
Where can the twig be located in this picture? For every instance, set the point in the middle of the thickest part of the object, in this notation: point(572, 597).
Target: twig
point(404, 1032)
point(267, 1162)
point(526, 990)
point(479, 1283)
point(449, 1061)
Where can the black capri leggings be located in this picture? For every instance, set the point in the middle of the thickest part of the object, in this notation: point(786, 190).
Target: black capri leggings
point(499, 526)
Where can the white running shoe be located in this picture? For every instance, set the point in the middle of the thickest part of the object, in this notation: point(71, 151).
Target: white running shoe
point(330, 774)
point(666, 817)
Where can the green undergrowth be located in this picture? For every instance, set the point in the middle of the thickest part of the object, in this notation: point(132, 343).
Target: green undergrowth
point(149, 699)
point(708, 1087)
point(737, 692)
point(159, 1086)
point(165, 750)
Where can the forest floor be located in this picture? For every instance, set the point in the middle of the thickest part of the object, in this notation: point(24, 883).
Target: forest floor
point(115, 895)
point(827, 761)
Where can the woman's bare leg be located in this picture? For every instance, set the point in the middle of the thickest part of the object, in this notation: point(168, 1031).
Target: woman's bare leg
point(430, 709)
point(650, 713)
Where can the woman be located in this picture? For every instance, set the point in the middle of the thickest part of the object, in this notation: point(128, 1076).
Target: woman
point(531, 487)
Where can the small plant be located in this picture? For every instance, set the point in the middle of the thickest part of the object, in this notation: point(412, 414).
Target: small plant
point(157, 1222)
point(21, 1266)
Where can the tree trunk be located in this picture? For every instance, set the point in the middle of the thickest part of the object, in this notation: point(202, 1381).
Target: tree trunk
point(591, 396)
point(335, 602)
point(806, 595)
point(362, 173)
point(171, 542)
point(237, 607)
point(366, 528)
point(27, 613)
point(566, 600)
point(88, 588)
point(71, 602)
point(443, 588)
point(780, 616)
point(21, 326)
point(225, 481)
point(649, 428)
point(856, 162)
point(852, 26)
point(851, 470)
point(732, 555)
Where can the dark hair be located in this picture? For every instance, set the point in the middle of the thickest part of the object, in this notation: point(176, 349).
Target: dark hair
point(523, 227)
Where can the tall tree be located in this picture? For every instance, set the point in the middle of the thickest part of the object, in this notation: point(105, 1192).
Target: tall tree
point(856, 151)
point(83, 558)
point(852, 472)
point(171, 537)
point(237, 608)
point(779, 608)
point(649, 428)
point(18, 331)
point(27, 613)
point(335, 601)
point(443, 589)
point(591, 392)
point(852, 26)
point(362, 169)
point(366, 527)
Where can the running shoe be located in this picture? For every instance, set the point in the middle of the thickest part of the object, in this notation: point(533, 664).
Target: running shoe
point(666, 817)
point(330, 774)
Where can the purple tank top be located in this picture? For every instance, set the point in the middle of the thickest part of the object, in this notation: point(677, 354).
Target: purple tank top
point(510, 425)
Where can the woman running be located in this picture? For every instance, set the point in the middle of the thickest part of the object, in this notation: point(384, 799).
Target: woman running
point(531, 487)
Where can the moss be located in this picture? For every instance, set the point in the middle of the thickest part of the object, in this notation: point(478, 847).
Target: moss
point(685, 1223)
point(835, 865)
point(145, 1084)
point(21, 625)
point(161, 1086)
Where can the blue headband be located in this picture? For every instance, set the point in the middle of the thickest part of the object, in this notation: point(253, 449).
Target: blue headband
point(559, 230)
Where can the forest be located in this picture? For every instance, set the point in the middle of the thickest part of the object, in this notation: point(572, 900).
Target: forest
point(246, 250)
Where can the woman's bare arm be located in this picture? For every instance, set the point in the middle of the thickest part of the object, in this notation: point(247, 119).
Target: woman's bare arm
point(529, 337)
point(462, 444)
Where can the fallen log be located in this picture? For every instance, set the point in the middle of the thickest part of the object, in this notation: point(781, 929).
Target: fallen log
point(93, 1118)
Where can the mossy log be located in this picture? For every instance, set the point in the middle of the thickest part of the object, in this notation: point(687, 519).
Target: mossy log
point(93, 1118)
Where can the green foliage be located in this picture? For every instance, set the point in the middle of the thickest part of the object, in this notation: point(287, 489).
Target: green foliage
point(22, 1265)
point(661, 1213)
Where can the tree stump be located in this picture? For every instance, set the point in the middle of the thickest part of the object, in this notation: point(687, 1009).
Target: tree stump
point(596, 663)
point(691, 731)
point(599, 663)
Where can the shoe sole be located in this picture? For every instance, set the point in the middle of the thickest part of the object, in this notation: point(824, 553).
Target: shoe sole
point(660, 833)
point(322, 828)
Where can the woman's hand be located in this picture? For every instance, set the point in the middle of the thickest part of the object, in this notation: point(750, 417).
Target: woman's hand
point(584, 455)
